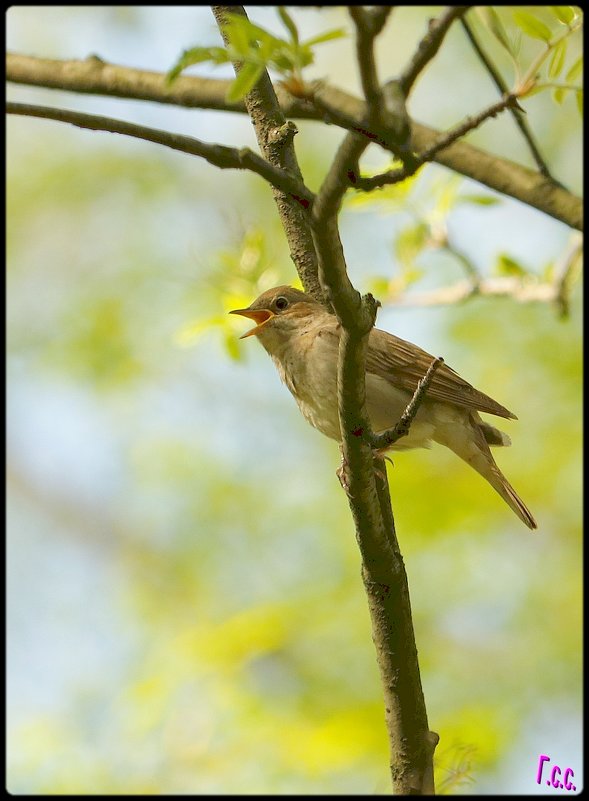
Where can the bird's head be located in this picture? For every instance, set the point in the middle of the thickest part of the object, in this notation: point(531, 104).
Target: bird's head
point(279, 314)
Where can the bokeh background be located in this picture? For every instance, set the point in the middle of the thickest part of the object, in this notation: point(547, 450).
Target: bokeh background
point(185, 609)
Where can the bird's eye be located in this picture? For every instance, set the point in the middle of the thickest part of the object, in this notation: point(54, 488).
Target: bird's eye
point(281, 303)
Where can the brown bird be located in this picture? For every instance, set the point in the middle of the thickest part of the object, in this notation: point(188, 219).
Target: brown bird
point(302, 338)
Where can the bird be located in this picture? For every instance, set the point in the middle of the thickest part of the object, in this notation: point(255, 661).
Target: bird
point(302, 338)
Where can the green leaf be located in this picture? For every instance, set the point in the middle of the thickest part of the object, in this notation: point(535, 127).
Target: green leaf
point(289, 24)
point(232, 346)
point(187, 334)
point(507, 266)
point(494, 24)
point(248, 77)
point(579, 99)
point(286, 61)
point(254, 32)
point(536, 89)
point(446, 193)
point(196, 55)
point(412, 275)
point(557, 60)
point(547, 272)
point(516, 44)
point(479, 200)
point(378, 286)
point(239, 40)
point(575, 70)
point(336, 33)
point(558, 95)
point(532, 26)
point(410, 242)
point(564, 14)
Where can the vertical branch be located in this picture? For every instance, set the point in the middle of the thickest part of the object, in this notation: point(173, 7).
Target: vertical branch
point(275, 139)
point(383, 572)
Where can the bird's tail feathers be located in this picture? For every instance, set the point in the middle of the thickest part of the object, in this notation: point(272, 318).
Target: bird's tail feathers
point(474, 449)
point(499, 483)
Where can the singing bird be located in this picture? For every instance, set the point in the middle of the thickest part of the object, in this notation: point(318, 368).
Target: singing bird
point(302, 338)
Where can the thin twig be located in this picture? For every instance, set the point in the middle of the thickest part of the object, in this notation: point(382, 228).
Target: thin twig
point(275, 140)
point(518, 114)
point(333, 276)
point(369, 23)
point(387, 438)
point(429, 46)
point(97, 77)
point(444, 141)
point(218, 155)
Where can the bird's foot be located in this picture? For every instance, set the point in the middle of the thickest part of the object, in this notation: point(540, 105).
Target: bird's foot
point(380, 455)
point(342, 474)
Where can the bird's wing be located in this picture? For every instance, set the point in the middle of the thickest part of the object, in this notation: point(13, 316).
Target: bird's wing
point(405, 364)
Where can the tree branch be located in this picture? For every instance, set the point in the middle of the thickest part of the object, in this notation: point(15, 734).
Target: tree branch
point(94, 76)
point(444, 141)
point(218, 155)
point(275, 140)
point(429, 46)
point(369, 23)
point(517, 289)
point(518, 114)
point(385, 439)
point(336, 285)
point(383, 571)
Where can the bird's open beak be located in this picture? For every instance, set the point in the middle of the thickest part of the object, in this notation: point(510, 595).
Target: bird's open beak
point(259, 316)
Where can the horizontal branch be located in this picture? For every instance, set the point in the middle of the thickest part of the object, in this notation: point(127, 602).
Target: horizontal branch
point(517, 289)
point(444, 141)
point(93, 76)
point(218, 155)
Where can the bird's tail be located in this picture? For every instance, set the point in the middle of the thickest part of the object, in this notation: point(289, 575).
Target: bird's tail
point(474, 449)
point(499, 483)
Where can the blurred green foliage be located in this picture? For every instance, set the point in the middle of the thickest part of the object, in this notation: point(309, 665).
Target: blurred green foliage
point(257, 50)
point(234, 653)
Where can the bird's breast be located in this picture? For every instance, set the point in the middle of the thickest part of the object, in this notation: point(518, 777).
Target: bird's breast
point(308, 367)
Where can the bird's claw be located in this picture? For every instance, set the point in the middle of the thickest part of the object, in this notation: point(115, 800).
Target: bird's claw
point(342, 474)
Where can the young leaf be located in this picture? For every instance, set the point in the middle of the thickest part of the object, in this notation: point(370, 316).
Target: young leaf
point(508, 266)
point(254, 32)
point(232, 345)
point(532, 25)
point(557, 60)
point(494, 24)
point(564, 14)
point(336, 33)
point(248, 77)
point(196, 55)
point(410, 242)
point(238, 40)
point(479, 200)
point(558, 95)
point(575, 70)
point(289, 24)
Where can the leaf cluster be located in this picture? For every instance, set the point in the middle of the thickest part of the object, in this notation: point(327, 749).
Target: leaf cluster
point(555, 31)
point(257, 50)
